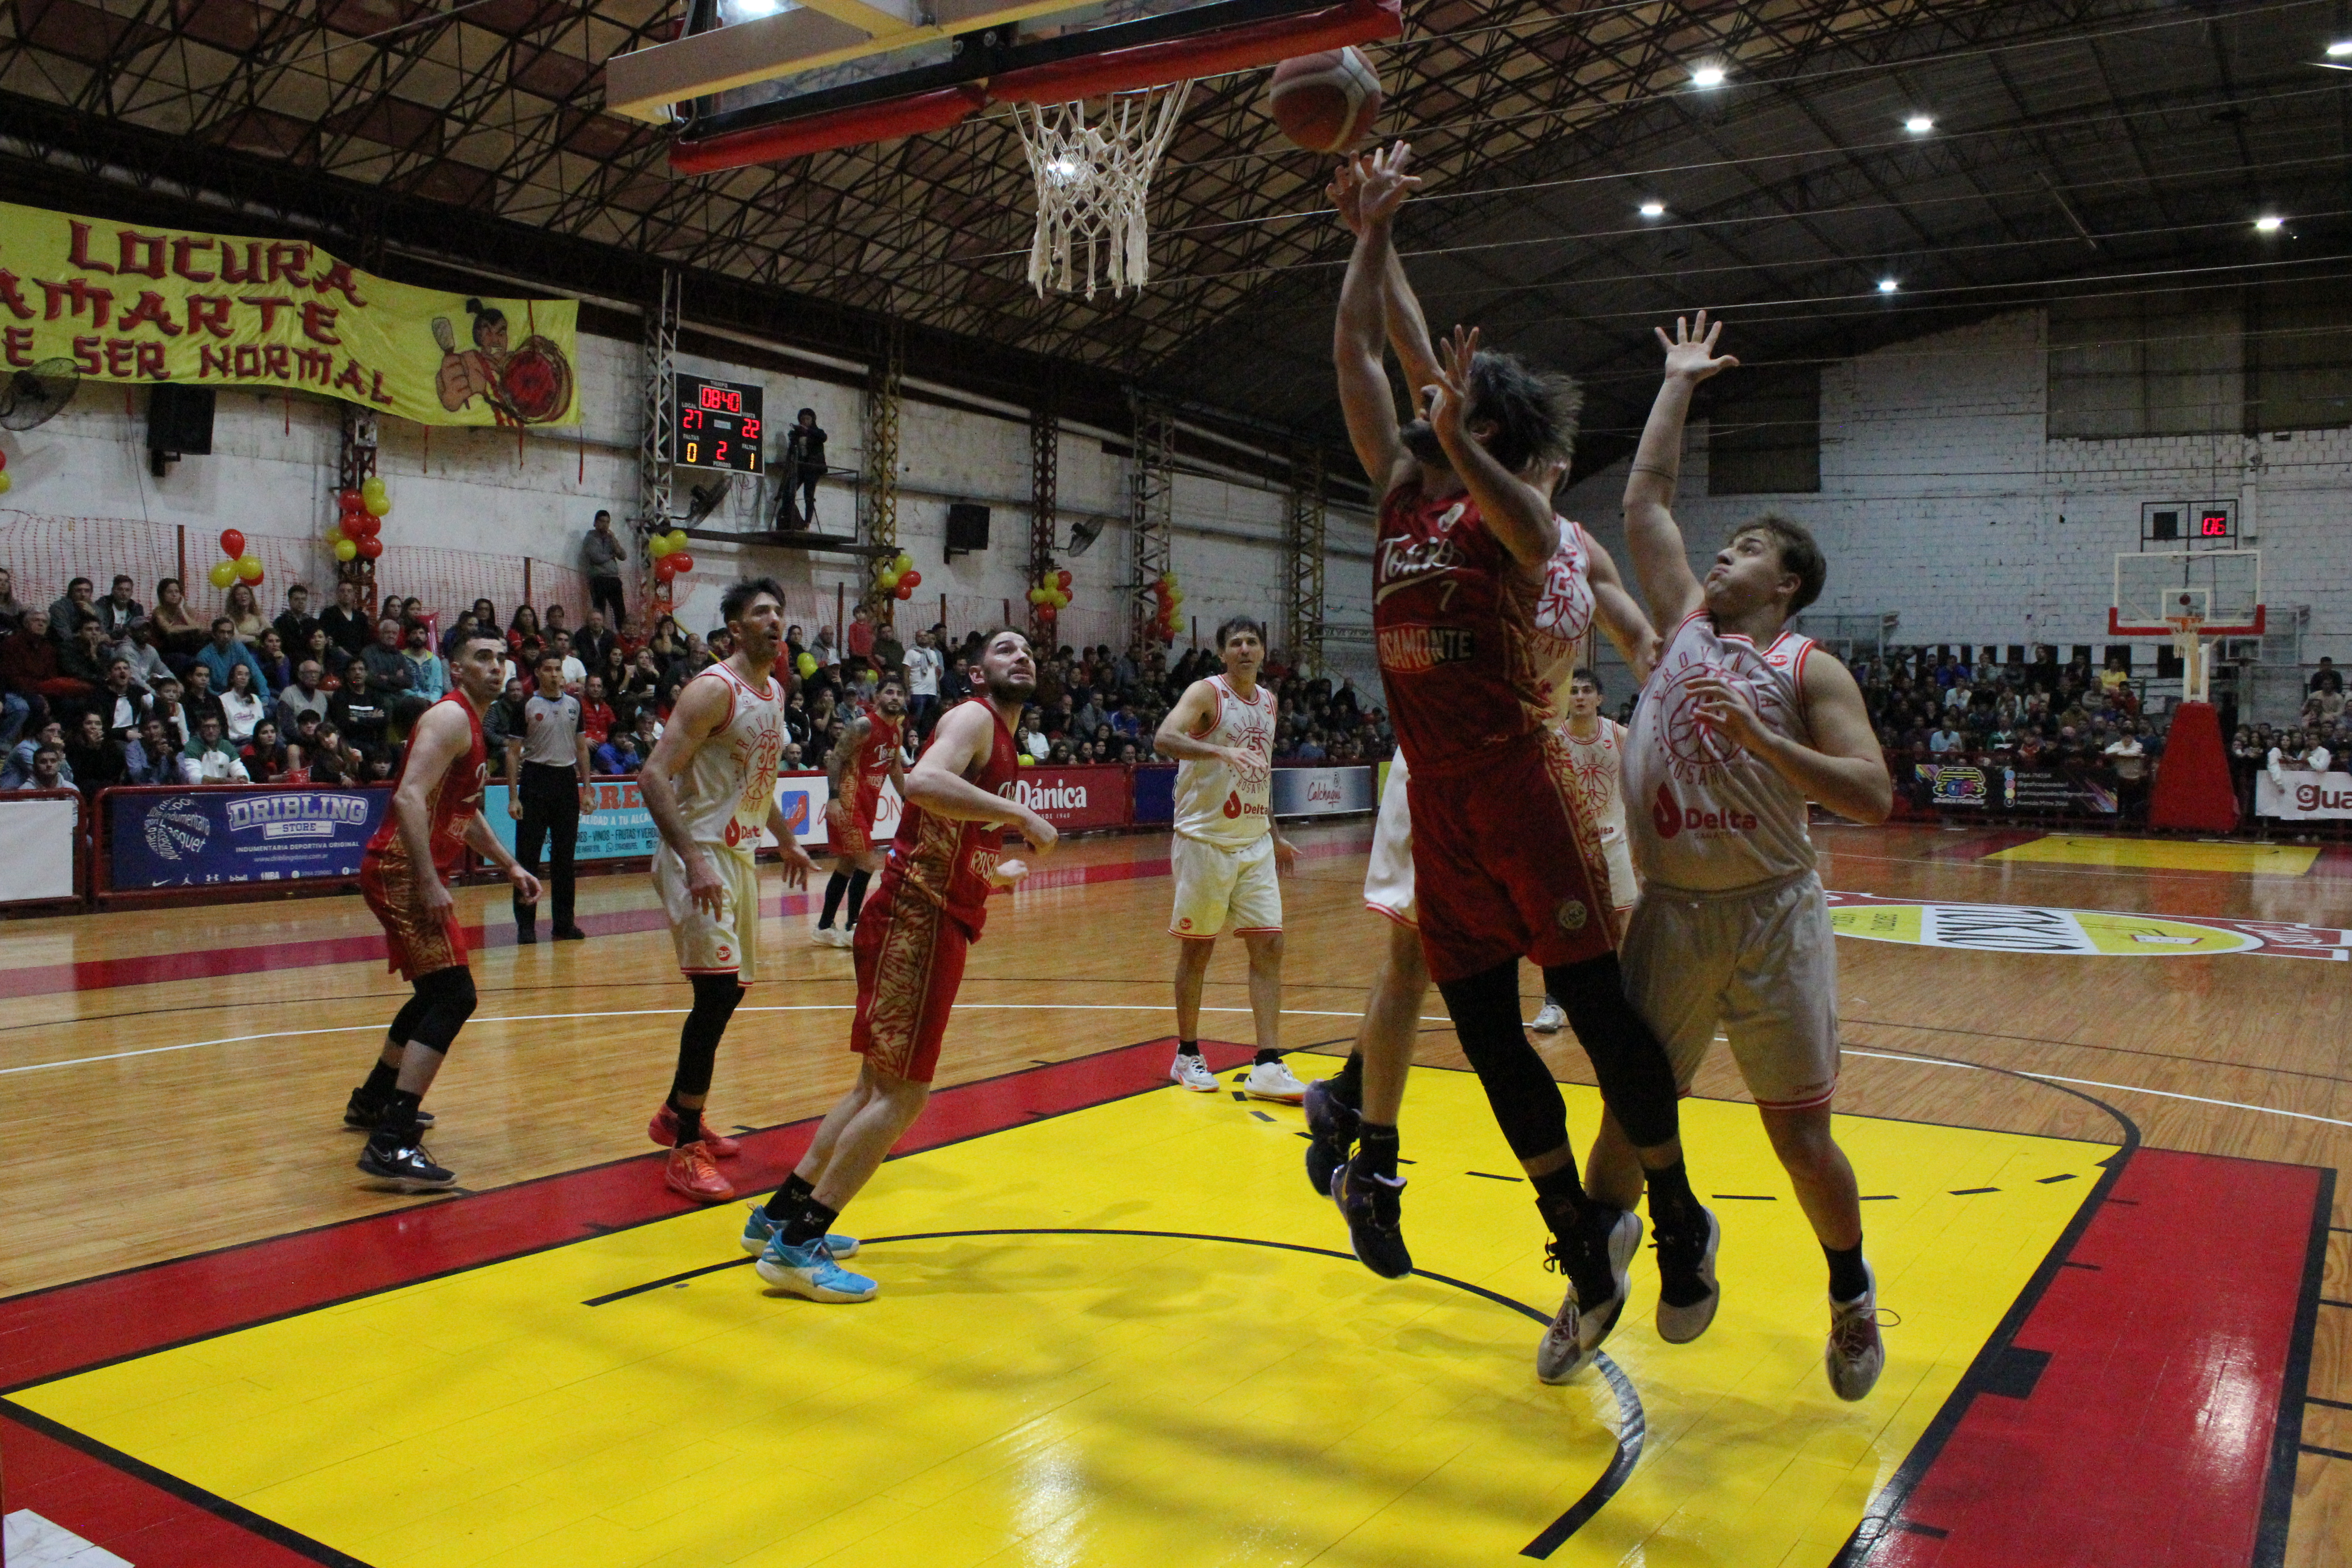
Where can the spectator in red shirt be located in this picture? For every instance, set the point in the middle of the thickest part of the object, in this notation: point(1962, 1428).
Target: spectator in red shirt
point(595, 713)
point(861, 634)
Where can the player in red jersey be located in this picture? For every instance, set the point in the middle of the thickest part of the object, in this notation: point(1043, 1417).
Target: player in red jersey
point(1504, 864)
point(928, 907)
point(866, 754)
point(437, 812)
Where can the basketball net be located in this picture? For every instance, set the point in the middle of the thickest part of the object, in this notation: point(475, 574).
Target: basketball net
point(1092, 180)
point(2189, 642)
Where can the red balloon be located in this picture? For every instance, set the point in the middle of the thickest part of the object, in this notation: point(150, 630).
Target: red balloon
point(1063, 578)
point(370, 548)
point(902, 591)
point(252, 582)
point(3, 460)
point(360, 525)
point(911, 579)
point(679, 562)
point(666, 568)
point(232, 543)
point(350, 501)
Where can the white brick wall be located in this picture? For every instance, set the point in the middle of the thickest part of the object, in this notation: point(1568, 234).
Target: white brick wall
point(1941, 500)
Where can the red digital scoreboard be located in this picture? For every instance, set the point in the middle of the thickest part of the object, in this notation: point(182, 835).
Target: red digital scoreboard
point(718, 425)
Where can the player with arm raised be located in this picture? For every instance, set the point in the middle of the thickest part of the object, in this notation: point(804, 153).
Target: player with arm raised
point(927, 908)
point(710, 787)
point(436, 813)
point(1504, 867)
point(1227, 854)
point(1739, 725)
point(867, 753)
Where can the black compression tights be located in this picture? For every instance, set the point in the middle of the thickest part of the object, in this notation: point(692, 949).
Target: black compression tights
point(714, 997)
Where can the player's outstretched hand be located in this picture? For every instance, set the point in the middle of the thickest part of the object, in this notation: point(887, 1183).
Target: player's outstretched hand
point(1449, 395)
point(1008, 874)
point(796, 863)
point(1346, 194)
point(1382, 182)
point(1725, 707)
point(1690, 353)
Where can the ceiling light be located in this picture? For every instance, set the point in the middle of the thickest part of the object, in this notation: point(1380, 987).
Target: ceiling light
point(2337, 51)
point(2269, 224)
point(1920, 124)
point(1707, 76)
point(1653, 209)
point(1888, 286)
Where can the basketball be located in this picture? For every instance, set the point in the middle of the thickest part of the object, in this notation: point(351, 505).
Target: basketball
point(1326, 102)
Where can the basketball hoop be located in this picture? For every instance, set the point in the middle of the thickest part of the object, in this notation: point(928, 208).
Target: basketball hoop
point(1092, 181)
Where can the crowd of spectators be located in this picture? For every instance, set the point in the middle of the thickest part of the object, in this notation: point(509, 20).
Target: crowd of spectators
point(1935, 705)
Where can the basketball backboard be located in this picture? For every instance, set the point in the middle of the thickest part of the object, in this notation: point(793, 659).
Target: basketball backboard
point(754, 81)
point(2221, 590)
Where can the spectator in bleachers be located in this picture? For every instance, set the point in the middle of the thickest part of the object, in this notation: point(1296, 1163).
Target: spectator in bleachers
point(575, 670)
point(70, 608)
point(266, 758)
point(525, 626)
point(595, 713)
point(804, 466)
point(358, 713)
point(119, 613)
point(269, 658)
point(1947, 740)
point(302, 743)
point(48, 769)
point(173, 710)
point(295, 622)
point(216, 756)
point(181, 632)
point(459, 630)
point(603, 556)
point(305, 696)
point(506, 720)
point(94, 757)
point(29, 667)
point(323, 651)
point(12, 613)
point(83, 660)
point(387, 664)
point(244, 613)
point(19, 765)
point(153, 756)
point(555, 619)
point(625, 751)
point(121, 707)
point(428, 676)
point(224, 653)
point(595, 640)
point(200, 699)
point(822, 650)
point(336, 761)
point(242, 705)
point(346, 623)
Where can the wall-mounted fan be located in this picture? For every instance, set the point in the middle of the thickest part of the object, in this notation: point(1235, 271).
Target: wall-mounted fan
point(33, 396)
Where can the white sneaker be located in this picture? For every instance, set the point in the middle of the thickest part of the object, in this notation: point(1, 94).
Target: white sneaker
point(1274, 1080)
point(1856, 1355)
point(1551, 1020)
point(1192, 1073)
point(831, 936)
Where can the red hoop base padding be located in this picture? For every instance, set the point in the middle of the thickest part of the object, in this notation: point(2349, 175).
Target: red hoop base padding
point(2192, 777)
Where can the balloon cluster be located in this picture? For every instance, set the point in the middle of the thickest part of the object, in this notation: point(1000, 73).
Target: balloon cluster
point(668, 550)
point(238, 566)
point(1051, 595)
point(895, 576)
point(6, 484)
point(358, 520)
point(1172, 599)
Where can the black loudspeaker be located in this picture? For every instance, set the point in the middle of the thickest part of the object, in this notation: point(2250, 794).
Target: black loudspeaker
point(967, 527)
point(180, 420)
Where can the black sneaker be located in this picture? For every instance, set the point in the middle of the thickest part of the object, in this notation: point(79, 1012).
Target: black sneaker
point(403, 1167)
point(1374, 1212)
point(362, 1112)
point(525, 937)
point(1687, 1294)
point(1596, 1252)
point(569, 933)
point(1331, 1124)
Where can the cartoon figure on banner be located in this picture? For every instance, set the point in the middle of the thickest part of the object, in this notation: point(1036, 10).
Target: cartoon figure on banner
point(529, 384)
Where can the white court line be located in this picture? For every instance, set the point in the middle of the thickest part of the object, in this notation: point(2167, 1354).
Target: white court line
point(2119, 1088)
point(658, 1012)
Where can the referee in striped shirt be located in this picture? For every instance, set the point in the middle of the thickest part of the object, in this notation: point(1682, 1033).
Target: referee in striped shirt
point(548, 771)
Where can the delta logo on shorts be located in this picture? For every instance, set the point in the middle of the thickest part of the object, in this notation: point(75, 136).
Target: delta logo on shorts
point(726, 954)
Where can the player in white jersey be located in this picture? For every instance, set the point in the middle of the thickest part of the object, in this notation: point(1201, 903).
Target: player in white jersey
point(1226, 853)
point(710, 787)
point(1739, 726)
point(1596, 753)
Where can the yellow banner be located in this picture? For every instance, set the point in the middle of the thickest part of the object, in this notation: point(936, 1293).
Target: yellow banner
point(130, 304)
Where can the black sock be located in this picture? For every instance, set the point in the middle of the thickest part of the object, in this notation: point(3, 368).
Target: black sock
point(380, 1081)
point(1188, 1047)
point(689, 1123)
point(397, 1124)
point(1848, 1279)
point(1560, 1190)
point(1347, 1085)
point(812, 1221)
point(1672, 1203)
point(1264, 1057)
point(789, 1197)
point(834, 887)
point(1376, 1150)
point(856, 899)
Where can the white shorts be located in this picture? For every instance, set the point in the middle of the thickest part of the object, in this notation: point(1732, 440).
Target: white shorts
point(1624, 888)
point(724, 944)
point(1215, 886)
point(1388, 880)
point(1762, 963)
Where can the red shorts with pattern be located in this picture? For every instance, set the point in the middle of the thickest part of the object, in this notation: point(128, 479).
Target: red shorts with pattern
point(856, 837)
point(909, 954)
point(1504, 864)
point(414, 943)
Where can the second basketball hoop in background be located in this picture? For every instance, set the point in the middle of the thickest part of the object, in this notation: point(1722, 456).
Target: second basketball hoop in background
point(1326, 102)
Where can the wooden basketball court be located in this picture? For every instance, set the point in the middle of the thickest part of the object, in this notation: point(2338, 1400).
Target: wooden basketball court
point(2095, 1091)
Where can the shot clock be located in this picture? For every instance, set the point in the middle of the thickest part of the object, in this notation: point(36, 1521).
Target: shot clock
point(718, 425)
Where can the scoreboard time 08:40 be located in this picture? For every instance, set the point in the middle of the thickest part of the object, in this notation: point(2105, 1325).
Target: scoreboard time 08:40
point(718, 424)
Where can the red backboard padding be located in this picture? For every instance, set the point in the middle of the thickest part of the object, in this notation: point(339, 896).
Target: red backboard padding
point(2192, 777)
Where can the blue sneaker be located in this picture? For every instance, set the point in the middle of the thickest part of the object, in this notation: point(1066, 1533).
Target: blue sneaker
point(809, 1270)
point(758, 1230)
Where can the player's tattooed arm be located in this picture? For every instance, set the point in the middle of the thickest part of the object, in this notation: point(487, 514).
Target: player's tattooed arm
point(839, 764)
point(702, 707)
point(1651, 536)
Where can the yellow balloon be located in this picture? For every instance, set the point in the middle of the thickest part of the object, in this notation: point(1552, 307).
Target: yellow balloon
point(904, 563)
point(335, 534)
point(377, 502)
point(807, 665)
point(889, 581)
point(346, 549)
point(657, 546)
point(223, 573)
point(249, 567)
point(1027, 761)
point(6, 484)
point(678, 539)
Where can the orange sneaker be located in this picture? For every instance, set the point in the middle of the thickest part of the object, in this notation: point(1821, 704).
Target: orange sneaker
point(663, 1130)
point(691, 1174)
